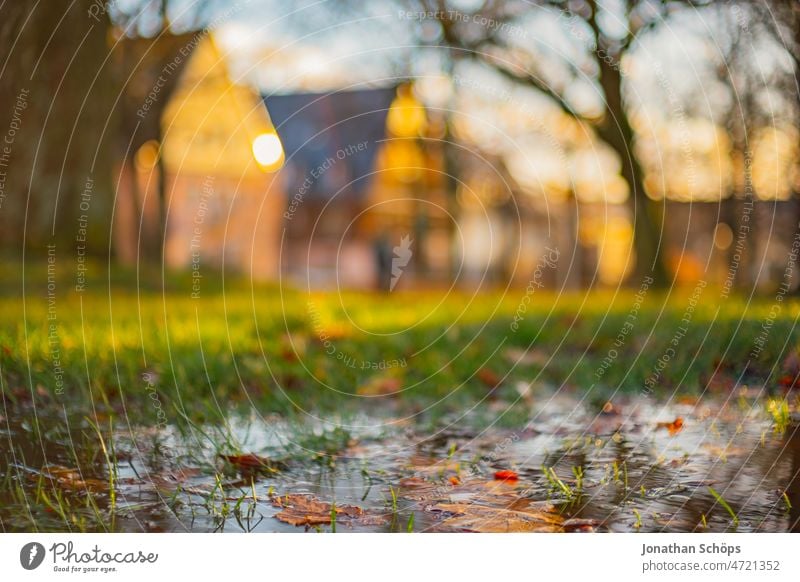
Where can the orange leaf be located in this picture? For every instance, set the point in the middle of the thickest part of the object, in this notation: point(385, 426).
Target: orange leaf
point(673, 427)
point(506, 475)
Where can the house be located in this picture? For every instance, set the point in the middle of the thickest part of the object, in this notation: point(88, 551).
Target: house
point(360, 178)
point(213, 169)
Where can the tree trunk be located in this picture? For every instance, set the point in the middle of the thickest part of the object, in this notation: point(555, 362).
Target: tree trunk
point(59, 95)
point(161, 239)
point(617, 132)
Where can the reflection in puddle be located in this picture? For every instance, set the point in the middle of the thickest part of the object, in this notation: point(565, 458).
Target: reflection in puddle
point(634, 466)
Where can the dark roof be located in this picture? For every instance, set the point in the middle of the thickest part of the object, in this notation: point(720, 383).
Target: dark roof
point(318, 127)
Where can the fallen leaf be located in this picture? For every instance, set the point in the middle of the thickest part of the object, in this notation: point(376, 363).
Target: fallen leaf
point(251, 462)
point(580, 525)
point(506, 475)
point(71, 479)
point(302, 509)
point(673, 427)
point(485, 519)
point(380, 386)
point(421, 465)
point(488, 377)
point(488, 492)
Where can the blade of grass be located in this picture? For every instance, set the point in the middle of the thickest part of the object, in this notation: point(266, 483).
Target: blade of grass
point(725, 505)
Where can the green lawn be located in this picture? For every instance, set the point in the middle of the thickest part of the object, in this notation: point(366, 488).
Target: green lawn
point(238, 345)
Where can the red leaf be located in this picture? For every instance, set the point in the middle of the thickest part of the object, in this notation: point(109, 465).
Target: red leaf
point(673, 427)
point(506, 475)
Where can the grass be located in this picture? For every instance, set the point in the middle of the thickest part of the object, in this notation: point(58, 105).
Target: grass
point(725, 505)
point(164, 357)
point(638, 523)
point(780, 412)
point(556, 484)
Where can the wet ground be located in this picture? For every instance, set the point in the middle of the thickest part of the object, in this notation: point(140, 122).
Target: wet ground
point(636, 465)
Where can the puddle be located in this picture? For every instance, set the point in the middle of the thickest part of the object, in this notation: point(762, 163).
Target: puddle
point(636, 466)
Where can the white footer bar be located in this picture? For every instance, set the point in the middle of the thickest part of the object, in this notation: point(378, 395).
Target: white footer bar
point(407, 557)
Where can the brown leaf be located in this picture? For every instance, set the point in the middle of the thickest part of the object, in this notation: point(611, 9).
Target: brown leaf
point(71, 479)
point(488, 377)
point(609, 408)
point(423, 465)
point(251, 462)
point(580, 525)
point(484, 519)
point(301, 509)
point(380, 386)
point(471, 490)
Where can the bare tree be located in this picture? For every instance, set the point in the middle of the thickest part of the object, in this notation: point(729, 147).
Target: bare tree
point(482, 35)
point(741, 118)
point(781, 20)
